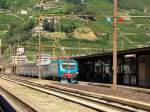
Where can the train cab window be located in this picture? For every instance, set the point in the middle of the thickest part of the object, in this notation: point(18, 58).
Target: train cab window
point(68, 65)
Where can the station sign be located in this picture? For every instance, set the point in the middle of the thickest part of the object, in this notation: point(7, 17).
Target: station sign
point(20, 51)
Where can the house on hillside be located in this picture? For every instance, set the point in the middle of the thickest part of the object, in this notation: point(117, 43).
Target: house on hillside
point(47, 5)
point(23, 12)
point(37, 29)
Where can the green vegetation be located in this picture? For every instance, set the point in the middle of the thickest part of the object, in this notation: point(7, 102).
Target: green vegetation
point(3, 4)
point(133, 4)
point(135, 31)
point(16, 5)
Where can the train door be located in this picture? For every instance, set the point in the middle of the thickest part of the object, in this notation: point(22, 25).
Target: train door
point(45, 71)
point(54, 69)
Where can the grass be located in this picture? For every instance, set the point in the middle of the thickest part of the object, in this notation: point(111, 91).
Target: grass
point(100, 6)
point(6, 20)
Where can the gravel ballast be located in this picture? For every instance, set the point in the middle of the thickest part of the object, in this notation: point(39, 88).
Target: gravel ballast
point(41, 101)
point(121, 92)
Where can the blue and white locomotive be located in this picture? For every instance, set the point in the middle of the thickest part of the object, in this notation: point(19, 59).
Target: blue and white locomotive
point(64, 70)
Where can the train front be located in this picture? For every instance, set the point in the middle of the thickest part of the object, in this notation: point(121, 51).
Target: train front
point(69, 70)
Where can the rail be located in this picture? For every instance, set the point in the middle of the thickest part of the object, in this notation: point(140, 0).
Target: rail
point(100, 103)
point(17, 101)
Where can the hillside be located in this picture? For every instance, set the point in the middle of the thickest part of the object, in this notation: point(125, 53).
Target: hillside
point(74, 34)
point(133, 4)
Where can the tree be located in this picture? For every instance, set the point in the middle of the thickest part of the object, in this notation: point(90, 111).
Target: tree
point(48, 26)
point(29, 25)
point(130, 4)
point(67, 25)
point(3, 4)
point(73, 1)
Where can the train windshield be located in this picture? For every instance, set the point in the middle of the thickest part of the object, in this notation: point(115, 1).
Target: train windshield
point(68, 65)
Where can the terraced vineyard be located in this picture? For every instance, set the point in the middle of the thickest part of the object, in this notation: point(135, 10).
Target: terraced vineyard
point(74, 33)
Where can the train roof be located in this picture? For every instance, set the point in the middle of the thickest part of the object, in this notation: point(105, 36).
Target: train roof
point(47, 62)
point(60, 60)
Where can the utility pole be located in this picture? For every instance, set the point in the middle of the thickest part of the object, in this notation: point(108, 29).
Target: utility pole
point(14, 54)
point(18, 53)
point(54, 49)
point(114, 85)
point(79, 44)
point(39, 58)
point(123, 40)
point(0, 56)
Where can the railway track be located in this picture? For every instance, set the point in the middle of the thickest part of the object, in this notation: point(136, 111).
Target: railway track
point(1, 110)
point(135, 89)
point(97, 102)
point(7, 108)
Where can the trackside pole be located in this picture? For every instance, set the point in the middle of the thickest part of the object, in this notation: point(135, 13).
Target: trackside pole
point(114, 85)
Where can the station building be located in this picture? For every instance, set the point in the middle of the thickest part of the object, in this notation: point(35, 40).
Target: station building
point(133, 67)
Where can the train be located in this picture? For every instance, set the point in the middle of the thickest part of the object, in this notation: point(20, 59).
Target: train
point(63, 70)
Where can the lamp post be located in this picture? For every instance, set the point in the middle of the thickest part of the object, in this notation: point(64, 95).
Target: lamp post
point(114, 85)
